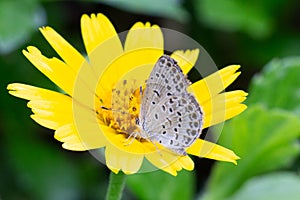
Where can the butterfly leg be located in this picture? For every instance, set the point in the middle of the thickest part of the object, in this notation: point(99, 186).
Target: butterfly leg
point(129, 140)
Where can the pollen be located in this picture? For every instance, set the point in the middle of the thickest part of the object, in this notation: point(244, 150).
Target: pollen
point(124, 109)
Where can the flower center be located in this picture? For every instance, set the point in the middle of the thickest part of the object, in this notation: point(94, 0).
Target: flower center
point(125, 108)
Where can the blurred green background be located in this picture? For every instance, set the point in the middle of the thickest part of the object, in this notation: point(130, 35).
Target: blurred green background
point(262, 36)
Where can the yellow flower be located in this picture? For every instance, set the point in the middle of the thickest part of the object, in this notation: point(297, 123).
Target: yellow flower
point(84, 117)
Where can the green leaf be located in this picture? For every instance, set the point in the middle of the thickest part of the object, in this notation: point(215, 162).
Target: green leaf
point(162, 186)
point(236, 15)
point(167, 8)
point(275, 186)
point(41, 169)
point(264, 139)
point(278, 86)
point(18, 19)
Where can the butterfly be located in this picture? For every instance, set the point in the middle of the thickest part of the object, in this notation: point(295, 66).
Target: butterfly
point(169, 114)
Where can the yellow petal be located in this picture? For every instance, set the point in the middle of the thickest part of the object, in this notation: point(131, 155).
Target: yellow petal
point(29, 92)
point(186, 59)
point(51, 114)
point(183, 162)
point(69, 136)
point(210, 150)
point(103, 47)
point(165, 160)
point(68, 53)
point(55, 111)
point(47, 121)
point(170, 170)
point(97, 30)
point(51, 109)
point(85, 86)
point(84, 131)
point(58, 106)
point(176, 166)
point(223, 115)
point(223, 106)
point(210, 86)
point(120, 142)
point(143, 47)
point(144, 36)
point(74, 141)
point(56, 70)
point(74, 145)
point(86, 123)
point(186, 163)
point(117, 160)
point(132, 66)
point(67, 74)
point(170, 162)
point(65, 133)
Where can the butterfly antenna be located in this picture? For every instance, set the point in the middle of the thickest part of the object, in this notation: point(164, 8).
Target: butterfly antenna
point(102, 107)
point(113, 110)
point(141, 90)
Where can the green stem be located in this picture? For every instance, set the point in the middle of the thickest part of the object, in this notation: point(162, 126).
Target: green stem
point(115, 186)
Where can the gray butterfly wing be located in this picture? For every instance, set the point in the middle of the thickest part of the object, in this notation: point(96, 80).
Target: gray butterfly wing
point(175, 122)
point(165, 80)
point(169, 114)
